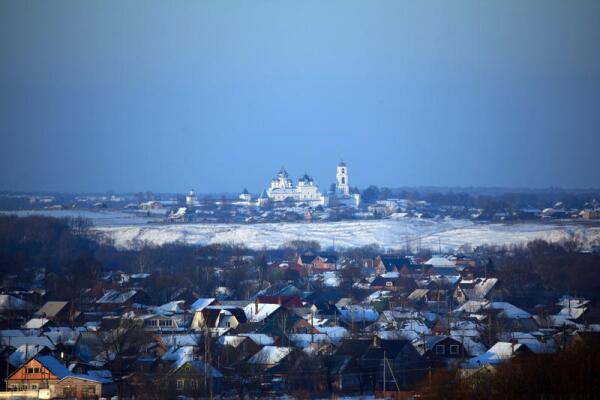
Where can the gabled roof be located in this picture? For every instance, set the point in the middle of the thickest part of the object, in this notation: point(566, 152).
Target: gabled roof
point(307, 258)
point(54, 366)
point(508, 310)
point(497, 354)
point(201, 304)
point(51, 308)
point(36, 323)
point(13, 303)
point(200, 367)
point(24, 353)
point(116, 297)
point(431, 341)
point(391, 262)
point(478, 289)
point(354, 347)
point(418, 294)
point(439, 261)
point(391, 348)
point(270, 355)
point(86, 377)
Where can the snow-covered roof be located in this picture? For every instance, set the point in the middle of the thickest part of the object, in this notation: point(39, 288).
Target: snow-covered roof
point(571, 313)
point(479, 288)
point(497, 354)
point(264, 310)
point(570, 302)
point(231, 340)
point(418, 294)
point(51, 308)
point(24, 353)
point(13, 303)
point(259, 338)
point(335, 333)
point(356, 313)
point(508, 310)
point(16, 341)
point(303, 340)
point(439, 261)
point(270, 355)
point(36, 323)
point(201, 304)
point(471, 346)
point(179, 355)
point(116, 297)
point(173, 307)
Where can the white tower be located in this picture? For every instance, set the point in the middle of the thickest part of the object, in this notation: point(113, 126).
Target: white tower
point(342, 179)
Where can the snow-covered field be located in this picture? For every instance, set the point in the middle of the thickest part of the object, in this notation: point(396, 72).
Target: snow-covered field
point(449, 234)
point(128, 229)
point(98, 217)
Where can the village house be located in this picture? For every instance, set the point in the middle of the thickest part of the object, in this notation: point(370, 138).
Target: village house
point(83, 387)
point(394, 282)
point(195, 378)
point(442, 348)
point(59, 312)
point(477, 289)
point(37, 373)
point(385, 264)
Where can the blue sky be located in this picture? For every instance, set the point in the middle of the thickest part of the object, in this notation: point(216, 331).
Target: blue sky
point(218, 95)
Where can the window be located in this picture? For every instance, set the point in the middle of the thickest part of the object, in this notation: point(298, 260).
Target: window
point(389, 284)
point(440, 349)
point(89, 390)
point(194, 384)
point(179, 384)
point(36, 370)
point(164, 322)
point(454, 349)
point(34, 386)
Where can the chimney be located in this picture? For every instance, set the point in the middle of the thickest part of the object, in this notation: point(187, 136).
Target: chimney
point(256, 306)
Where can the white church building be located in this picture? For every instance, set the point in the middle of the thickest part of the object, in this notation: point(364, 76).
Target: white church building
point(283, 189)
point(342, 195)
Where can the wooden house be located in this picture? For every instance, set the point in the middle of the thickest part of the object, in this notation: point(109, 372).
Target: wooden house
point(195, 378)
point(83, 387)
point(37, 373)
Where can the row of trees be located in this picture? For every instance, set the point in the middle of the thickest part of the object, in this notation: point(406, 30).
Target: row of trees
point(569, 374)
point(496, 201)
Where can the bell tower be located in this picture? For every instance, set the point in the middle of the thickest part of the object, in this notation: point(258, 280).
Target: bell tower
point(342, 179)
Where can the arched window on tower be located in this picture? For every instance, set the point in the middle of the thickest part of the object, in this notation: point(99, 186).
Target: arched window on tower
point(343, 180)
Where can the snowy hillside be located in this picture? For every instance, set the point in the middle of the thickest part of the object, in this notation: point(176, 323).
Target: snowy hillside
point(450, 234)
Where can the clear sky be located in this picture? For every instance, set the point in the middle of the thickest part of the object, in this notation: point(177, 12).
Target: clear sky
point(218, 95)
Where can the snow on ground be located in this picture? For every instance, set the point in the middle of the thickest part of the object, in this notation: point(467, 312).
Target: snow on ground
point(426, 233)
point(130, 228)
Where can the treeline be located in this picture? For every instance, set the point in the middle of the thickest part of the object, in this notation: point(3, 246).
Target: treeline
point(538, 272)
point(499, 201)
point(66, 255)
point(569, 374)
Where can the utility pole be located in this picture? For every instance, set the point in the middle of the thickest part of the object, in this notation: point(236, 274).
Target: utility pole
point(384, 362)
